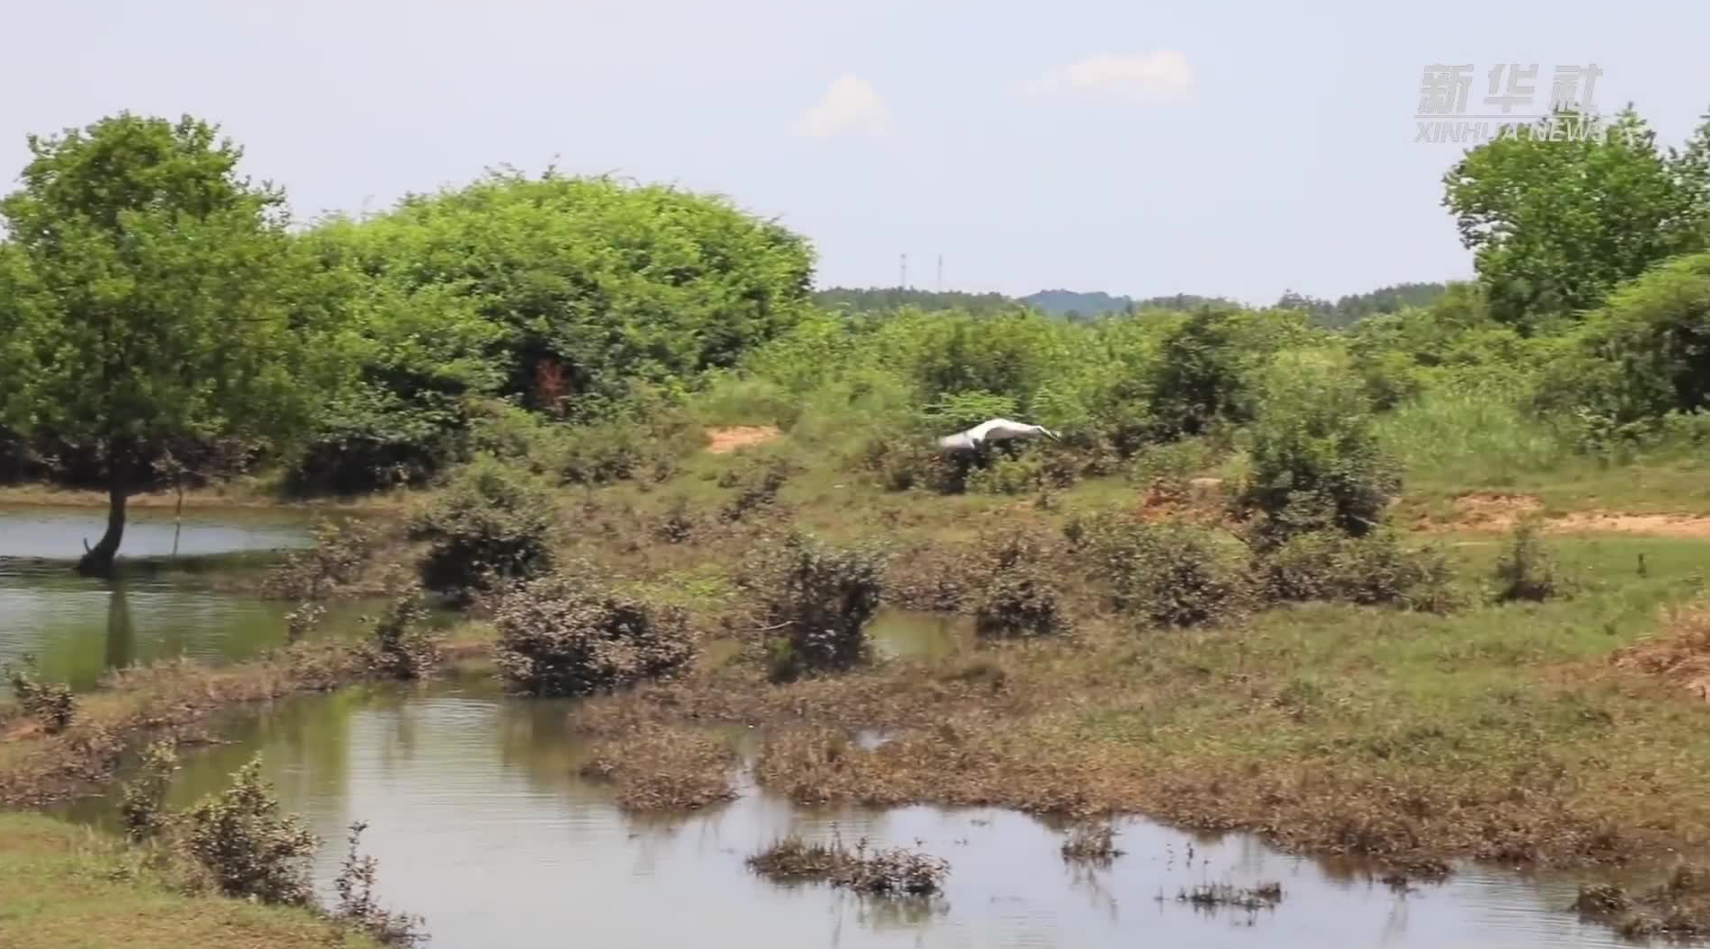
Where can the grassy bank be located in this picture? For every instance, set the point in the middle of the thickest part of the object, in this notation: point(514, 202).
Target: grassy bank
point(64, 886)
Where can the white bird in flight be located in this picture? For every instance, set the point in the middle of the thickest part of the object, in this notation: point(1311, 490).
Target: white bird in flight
point(993, 430)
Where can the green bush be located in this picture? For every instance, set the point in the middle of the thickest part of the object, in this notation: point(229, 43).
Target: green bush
point(251, 850)
point(401, 648)
point(560, 635)
point(1315, 459)
point(1014, 587)
point(341, 551)
point(143, 801)
point(1645, 353)
point(757, 485)
point(359, 906)
point(50, 703)
point(1172, 574)
point(1525, 570)
point(492, 524)
point(815, 600)
point(1375, 568)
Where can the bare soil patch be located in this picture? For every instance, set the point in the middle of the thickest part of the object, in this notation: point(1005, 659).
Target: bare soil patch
point(1486, 511)
point(723, 441)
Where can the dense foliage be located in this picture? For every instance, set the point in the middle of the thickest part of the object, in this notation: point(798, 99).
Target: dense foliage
point(561, 635)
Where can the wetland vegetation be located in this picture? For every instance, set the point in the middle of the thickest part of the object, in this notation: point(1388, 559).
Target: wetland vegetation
point(1418, 589)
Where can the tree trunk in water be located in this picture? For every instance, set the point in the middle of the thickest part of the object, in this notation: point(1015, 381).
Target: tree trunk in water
point(98, 561)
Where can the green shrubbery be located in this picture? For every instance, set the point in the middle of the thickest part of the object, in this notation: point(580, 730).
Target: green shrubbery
point(1371, 569)
point(814, 601)
point(1315, 459)
point(562, 635)
point(492, 524)
point(249, 847)
point(1014, 586)
point(50, 703)
point(1171, 574)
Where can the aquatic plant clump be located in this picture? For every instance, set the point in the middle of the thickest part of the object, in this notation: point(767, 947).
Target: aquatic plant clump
point(562, 636)
point(1091, 843)
point(1214, 895)
point(1679, 907)
point(897, 871)
point(664, 769)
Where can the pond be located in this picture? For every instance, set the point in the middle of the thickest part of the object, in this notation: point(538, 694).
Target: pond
point(79, 627)
point(482, 825)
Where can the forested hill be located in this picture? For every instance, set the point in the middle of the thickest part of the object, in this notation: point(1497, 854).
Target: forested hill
point(879, 299)
point(1073, 304)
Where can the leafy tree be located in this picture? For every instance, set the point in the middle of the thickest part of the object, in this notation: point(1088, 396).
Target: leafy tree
point(1556, 221)
point(590, 282)
point(142, 299)
point(1643, 355)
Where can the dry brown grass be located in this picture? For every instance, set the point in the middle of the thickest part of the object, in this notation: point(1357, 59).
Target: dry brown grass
point(660, 768)
point(1679, 654)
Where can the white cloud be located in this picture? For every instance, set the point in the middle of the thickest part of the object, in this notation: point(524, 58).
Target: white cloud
point(849, 107)
point(1158, 76)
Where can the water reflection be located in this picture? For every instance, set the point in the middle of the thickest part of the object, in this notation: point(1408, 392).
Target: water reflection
point(481, 823)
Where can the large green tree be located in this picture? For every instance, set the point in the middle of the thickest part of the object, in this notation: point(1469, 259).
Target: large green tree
point(142, 301)
point(1556, 220)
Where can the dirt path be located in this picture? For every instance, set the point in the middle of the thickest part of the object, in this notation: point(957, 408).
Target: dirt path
point(722, 441)
point(1501, 512)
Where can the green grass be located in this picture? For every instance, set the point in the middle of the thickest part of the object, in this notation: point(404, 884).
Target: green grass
point(63, 886)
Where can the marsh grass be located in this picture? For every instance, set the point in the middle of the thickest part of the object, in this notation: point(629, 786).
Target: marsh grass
point(1211, 896)
point(1093, 843)
point(659, 768)
point(897, 871)
point(1678, 907)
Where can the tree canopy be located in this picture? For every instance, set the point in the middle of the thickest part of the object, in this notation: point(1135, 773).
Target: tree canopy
point(1556, 221)
point(142, 303)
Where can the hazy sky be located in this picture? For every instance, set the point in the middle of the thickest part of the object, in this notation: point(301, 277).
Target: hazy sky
point(1133, 147)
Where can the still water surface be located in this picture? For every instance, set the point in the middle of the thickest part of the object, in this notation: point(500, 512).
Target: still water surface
point(482, 824)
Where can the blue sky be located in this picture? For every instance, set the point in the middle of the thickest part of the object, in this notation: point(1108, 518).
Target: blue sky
point(1141, 148)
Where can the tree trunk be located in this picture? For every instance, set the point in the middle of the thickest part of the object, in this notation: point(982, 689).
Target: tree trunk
point(98, 561)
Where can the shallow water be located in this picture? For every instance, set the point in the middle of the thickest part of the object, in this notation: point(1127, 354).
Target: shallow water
point(79, 627)
point(481, 824)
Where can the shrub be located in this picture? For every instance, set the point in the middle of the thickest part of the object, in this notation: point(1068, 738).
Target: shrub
point(491, 525)
point(1525, 570)
point(562, 636)
point(340, 552)
point(818, 600)
point(1172, 574)
point(757, 487)
point(248, 846)
point(358, 906)
point(1013, 593)
point(401, 649)
point(144, 796)
point(50, 703)
point(1316, 461)
point(1330, 565)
